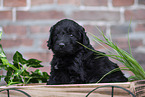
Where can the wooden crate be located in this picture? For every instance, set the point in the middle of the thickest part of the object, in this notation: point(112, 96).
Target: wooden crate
point(77, 90)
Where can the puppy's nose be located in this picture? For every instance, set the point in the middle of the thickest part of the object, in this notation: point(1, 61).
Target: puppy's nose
point(61, 44)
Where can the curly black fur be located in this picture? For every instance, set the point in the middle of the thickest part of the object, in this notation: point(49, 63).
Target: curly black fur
point(74, 64)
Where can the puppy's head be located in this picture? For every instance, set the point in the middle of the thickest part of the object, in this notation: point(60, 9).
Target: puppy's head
point(64, 36)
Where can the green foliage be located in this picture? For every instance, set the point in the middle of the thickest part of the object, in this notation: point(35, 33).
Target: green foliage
point(17, 72)
point(122, 56)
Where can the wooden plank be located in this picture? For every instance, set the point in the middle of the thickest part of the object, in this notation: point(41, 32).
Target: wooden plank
point(140, 88)
point(73, 90)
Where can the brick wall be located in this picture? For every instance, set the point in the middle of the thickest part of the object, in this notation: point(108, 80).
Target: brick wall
point(26, 24)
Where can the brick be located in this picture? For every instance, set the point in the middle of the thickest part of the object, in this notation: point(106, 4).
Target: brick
point(136, 43)
point(141, 2)
point(39, 29)
point(121, 42)
point(9, 56)
point(143, 66)
point(72, 2)
point(120, 30)
point(42, 15)
point(101, 47)
point(139, 57)
point(1, 72)
point(97, 15)
point(93, 29)
point(13, 29)
point(15, 3)
point(95, 2)
point(140, 27)
point(138, 14)
point(5, 15)
point(42, 56)
point(41, 2)
point(122, 2)
point(9, 43)
point(44, 44)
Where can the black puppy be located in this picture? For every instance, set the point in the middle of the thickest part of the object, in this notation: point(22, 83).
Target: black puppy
point(74, 64)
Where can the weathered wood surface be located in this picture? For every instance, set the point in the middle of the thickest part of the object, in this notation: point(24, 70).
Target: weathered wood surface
point(139, 88)
point(77, 90)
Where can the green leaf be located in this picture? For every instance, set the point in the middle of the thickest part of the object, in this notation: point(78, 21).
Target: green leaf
point(34, 63)
point(37, 72)
point(0, 35)
point(18, 58)
point(6, 63)
point(12, 83)
point(2, 66)
point(25, 73)
point(38, 77)
point(132, 78)
point(45, 75)
point(9, 74)
point(114, 70)
point(2, 54)
point(129, 39)
point(1, 76)
point(17, 79)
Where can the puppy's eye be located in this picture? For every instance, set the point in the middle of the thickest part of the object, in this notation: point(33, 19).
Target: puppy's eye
point(71, 35)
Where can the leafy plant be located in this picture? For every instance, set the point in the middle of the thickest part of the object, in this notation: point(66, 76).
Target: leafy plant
point(17, 73)
point(122, 56)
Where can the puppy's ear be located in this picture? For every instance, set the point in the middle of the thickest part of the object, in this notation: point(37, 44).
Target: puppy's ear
point(50, 41)
point(85, 39)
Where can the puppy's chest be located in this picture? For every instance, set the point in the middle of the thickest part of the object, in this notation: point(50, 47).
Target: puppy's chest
point(66, 63)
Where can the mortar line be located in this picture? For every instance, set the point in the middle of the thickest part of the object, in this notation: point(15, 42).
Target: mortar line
point(14, 14)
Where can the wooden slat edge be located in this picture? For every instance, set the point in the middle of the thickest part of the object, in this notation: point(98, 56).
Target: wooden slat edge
point(124, 85)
